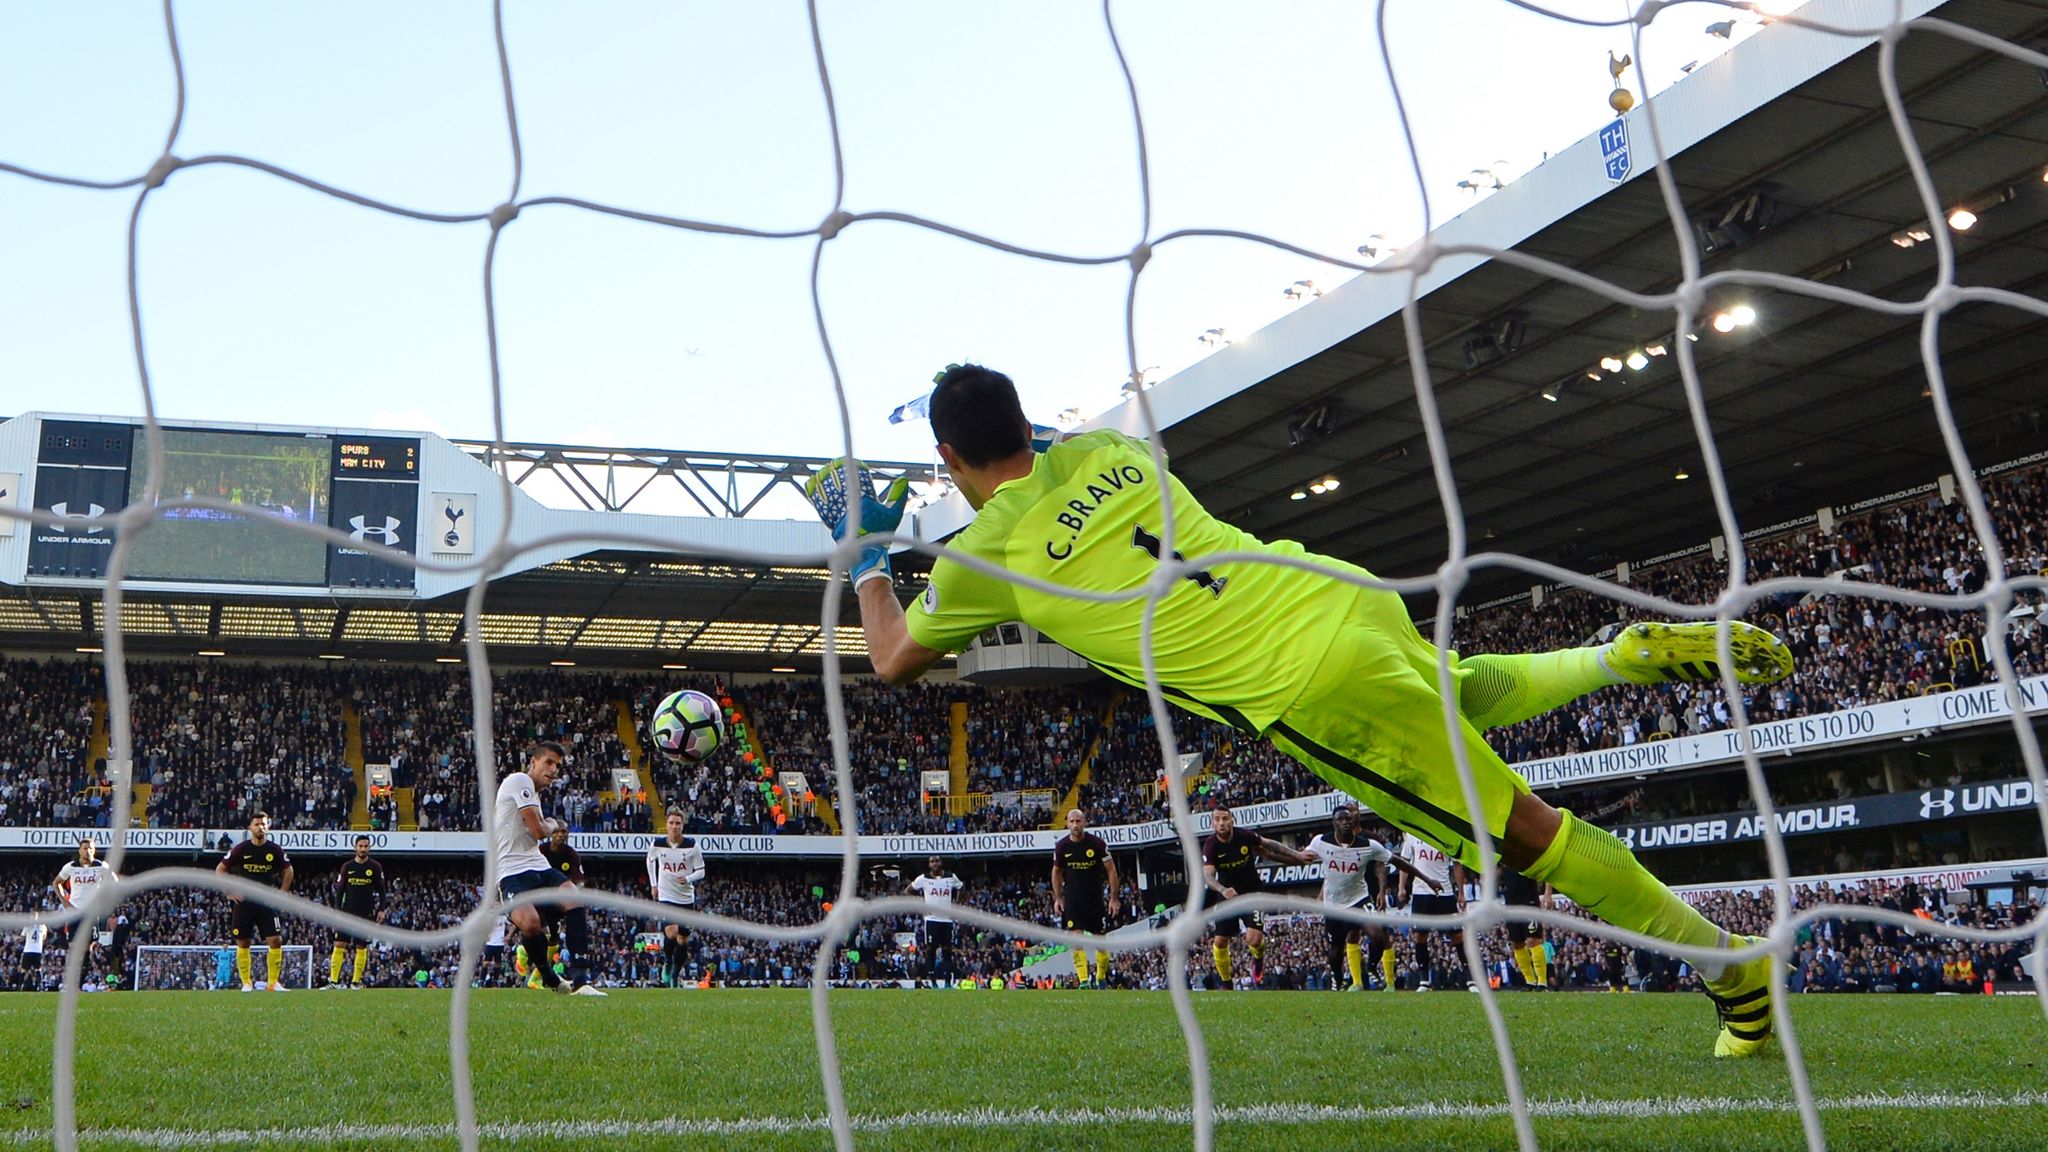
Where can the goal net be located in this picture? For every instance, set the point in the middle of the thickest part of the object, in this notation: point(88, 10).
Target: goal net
point(1418, 266)
point(200, 968)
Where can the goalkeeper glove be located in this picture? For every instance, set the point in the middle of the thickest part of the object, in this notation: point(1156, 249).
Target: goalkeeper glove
point(872, 514)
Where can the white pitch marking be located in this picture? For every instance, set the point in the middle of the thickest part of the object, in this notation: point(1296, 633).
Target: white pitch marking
point(1030, 1117)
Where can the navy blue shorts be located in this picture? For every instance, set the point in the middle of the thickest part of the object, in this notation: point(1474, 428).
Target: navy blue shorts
point(518, 882)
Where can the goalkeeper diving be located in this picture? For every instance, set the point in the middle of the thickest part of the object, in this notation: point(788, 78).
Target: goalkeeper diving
point(1333, 673)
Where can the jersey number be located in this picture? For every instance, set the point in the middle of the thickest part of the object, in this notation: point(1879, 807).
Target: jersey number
point(1151, 545)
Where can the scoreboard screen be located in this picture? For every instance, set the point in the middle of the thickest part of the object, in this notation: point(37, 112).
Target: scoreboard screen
point(365, 487)
point(376, 501)
point(276, 476)
point(376, 456)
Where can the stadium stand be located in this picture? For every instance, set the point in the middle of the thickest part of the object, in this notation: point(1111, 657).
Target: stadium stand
point(46, 722)
point(419, 722)
point(218, 742)
point(893, 735)
point(1850, 650)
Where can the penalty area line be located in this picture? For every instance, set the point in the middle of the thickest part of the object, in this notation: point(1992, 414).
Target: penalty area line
point(1589, 1109)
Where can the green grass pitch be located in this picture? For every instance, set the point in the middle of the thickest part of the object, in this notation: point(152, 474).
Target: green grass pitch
point(997, 1071)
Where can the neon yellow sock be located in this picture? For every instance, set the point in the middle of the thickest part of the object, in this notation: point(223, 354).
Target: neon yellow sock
point(1220, 950)
point(334, 964)
point(273, 961)
point(1081, 965)
point(1497, 690)
point(242, 961)
point(1354, 959)
point(1102, 967)
point(1539, 959)
point(1525, 963)
point(1600, 875)
point(1258, 951)
point(362, 962)
point(1387, 968)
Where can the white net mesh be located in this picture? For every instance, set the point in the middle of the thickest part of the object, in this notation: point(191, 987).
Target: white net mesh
point(1887, 23)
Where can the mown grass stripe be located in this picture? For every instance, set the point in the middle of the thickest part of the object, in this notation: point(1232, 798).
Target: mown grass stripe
point(1583, 1109)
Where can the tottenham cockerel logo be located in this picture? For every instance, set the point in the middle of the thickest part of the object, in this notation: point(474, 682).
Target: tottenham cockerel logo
point(63, 509)
point(385, 534)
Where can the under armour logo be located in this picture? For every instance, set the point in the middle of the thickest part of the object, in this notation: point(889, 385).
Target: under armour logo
point(64, 510)
point(454, 516)
point(386, 535)
point(1934, 804)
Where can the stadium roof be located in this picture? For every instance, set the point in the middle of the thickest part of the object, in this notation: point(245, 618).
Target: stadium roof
point(1814, 403)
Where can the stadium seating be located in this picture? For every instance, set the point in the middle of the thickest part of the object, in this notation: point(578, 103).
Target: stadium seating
point(46, 728)
point(894, 734)
point(1850, 650)
point(215, 740)
point(219, 742)
point(419, 720)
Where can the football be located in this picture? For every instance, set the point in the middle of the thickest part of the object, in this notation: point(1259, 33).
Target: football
point(687, 726)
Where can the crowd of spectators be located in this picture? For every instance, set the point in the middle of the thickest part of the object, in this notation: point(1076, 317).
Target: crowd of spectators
point(722, 793)
point(1128, 779)
point(1850, 650)
point(1125, 777)
point(421, 722)
point(1844, 953)
point(1031, 739)
point(1849, 954)
point(893, 735)
point(216, 741)
point(46, 727)
point(219, 742)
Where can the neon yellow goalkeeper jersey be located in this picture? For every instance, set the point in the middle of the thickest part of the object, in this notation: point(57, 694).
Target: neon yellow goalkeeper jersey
point(1235, 641)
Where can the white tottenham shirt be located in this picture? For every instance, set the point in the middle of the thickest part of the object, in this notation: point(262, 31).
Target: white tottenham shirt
point(1434, 865)
point(33, 938)
point(673, 872)
point(518, 851)
point(82, 880)
point(938, 894)
point(1344, 867)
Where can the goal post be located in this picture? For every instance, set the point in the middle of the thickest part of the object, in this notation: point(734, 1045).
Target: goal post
point(210, 968)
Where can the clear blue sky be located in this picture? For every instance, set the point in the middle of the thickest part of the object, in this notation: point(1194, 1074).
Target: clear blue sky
point(266, 302)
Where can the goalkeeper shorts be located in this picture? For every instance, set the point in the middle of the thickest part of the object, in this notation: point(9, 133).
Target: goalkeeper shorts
point(1372, 724)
